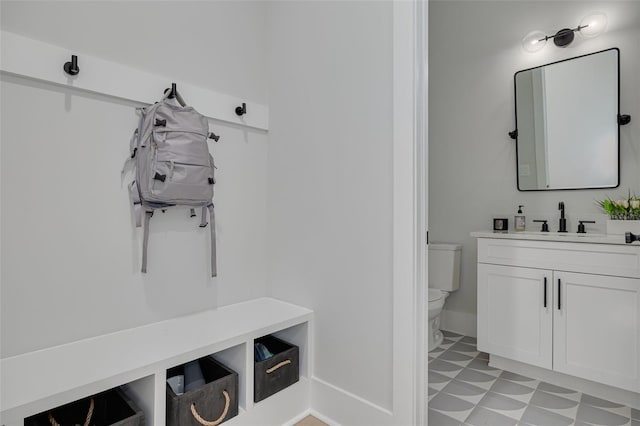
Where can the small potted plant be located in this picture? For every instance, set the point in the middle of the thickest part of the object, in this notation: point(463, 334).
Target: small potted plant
point(624, 214)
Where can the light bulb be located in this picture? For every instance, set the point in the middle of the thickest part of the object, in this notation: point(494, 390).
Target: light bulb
point(534, 41)
point(593, 25)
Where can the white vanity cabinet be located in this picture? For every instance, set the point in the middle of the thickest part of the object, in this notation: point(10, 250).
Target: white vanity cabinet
point(571, 307)
point(513, 321)
point(596, 328)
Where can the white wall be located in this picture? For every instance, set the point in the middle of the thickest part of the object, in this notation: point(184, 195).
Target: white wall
point(306, 217)
point(213, 44)
point(70, 255)
point(471, 158)
point(330, 185)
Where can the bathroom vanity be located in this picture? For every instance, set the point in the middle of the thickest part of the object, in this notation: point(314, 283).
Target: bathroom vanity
point(567, 303)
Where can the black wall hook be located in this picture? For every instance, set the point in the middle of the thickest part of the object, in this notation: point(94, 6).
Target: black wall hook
point(624, 119)
point(71, 67)
point(241, 110)
point(514, 134)
point(172, 91)
point(213, 136)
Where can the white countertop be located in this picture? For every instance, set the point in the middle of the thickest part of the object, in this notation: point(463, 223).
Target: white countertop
point(569, 237)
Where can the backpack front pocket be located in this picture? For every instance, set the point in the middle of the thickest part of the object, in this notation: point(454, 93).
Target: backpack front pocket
point(182, 182)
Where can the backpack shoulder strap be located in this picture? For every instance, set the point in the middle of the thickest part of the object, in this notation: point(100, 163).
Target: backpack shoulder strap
point(134, 197)
point(212, 229)
point(145, 239)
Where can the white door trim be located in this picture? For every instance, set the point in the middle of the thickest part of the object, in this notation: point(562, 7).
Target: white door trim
point(409, 210)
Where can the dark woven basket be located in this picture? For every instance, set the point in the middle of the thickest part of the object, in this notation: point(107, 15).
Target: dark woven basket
point(111, 408)
point(213, 403)
point(278, 372)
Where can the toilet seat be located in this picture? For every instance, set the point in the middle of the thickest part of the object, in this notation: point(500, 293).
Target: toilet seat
point(434, 294)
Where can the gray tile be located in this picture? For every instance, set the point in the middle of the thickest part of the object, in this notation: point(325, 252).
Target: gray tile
point(499, 402)
point(454, 356)
point(451, 334)
point(439, 419)
point(439, 365)
point(437, 377)
point(470, 375)
point(481, 364)
point(597, 402)
point(458, 388)
point(483, 355)
point(446, 342)
point(539, 417)
point(432, 391)
point(548, 387)
point(554, 402)
point(437, 351)
point(635, 414)
point(482, 417)
point(635, 422)
point(469, 340)
point(462, 347)
point(431, 358)
point(515, 377)
point(506, 387)
point(450, 403)
point(597, 416)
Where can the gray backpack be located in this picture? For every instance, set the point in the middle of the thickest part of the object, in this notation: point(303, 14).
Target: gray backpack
point(173, 166)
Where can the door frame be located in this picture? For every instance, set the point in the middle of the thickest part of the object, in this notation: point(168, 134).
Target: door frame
point(410, 210)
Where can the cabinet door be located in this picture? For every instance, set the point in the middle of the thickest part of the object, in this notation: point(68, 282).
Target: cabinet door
point(514, 317)
point(597, 328)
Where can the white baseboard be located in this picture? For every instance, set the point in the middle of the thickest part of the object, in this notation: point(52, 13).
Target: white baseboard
point(312, 413)
point(344, 407)
point(459, 322)
point(297, 418)
point(599, 390)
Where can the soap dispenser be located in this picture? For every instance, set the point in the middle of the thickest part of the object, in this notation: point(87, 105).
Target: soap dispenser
point(519, 220)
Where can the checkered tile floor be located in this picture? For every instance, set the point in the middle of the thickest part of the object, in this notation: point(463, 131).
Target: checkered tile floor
point(464, 390)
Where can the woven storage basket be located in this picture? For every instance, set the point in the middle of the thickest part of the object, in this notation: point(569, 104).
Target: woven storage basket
point(110, 408)
point(209, 405)
point(278, 372)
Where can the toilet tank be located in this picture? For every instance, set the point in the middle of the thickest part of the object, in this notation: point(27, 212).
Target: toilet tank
point(444, 266)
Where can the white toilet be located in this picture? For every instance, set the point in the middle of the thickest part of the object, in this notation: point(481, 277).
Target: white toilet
point(444, 277)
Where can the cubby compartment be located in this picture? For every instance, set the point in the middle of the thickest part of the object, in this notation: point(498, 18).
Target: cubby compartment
point(298, 335)
point(278, 371)
point(212, 402)
point(235, 358)
point(109, 408)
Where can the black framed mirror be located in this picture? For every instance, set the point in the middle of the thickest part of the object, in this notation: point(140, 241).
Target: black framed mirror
point(567, 121)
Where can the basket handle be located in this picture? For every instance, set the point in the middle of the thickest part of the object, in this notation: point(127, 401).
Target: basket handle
point(53, 421)
point(219, 419)
point(275, 367)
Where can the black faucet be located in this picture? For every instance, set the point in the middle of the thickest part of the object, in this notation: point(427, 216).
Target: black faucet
point(563, 221)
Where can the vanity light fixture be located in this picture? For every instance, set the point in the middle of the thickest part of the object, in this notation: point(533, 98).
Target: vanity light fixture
point(591, 25)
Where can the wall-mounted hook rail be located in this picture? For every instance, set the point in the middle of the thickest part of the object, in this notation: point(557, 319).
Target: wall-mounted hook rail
point(71, 67)
point(132, 84)
point(624, 119)
point(241, 110)
point(514, 134)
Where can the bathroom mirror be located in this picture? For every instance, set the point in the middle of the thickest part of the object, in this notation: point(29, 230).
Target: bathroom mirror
point(567, 124)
